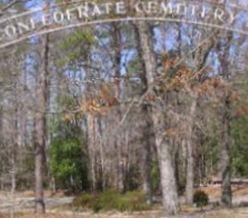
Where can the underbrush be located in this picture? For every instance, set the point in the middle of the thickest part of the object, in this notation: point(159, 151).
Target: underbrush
point(201, 199)
point(112, 200)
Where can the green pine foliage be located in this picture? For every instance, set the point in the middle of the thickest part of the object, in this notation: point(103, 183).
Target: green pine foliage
point(68, 159)
point(240, 147)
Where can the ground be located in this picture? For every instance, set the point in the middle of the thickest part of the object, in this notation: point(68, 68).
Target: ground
point(221, 213)
point(24, 204)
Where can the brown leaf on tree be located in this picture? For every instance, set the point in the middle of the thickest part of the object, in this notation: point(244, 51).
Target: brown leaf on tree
point(107, 95)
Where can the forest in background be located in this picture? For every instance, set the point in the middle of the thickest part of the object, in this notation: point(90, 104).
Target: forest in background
point(126, 106)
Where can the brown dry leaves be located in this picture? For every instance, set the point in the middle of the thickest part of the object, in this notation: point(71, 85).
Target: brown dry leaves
point(98, 105)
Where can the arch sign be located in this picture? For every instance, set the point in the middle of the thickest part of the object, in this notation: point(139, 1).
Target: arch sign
point(80, 13)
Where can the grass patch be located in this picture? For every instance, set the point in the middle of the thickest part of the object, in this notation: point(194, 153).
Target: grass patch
point(112, 200)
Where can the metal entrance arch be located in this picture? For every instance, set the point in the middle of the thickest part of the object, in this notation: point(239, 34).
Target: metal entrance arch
point(40, 21)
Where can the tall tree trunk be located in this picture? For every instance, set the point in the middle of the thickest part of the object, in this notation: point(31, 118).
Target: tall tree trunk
point(190, 157)
point(149, 141)
point(13, 181)
point(1, 123)
point(168, 181)
point(91, 149)
point(225, 157)
point(40, 126)
point(225, 152)
point(15, 146)
point(117, 82)
point(148, 130)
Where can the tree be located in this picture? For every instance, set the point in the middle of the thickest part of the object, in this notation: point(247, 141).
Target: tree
point(68, 158)
point(168, 181)
point(225, 155)
point(40, 125)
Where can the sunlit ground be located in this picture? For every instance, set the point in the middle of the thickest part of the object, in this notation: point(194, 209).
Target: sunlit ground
point(240, 194)
point(220, 213)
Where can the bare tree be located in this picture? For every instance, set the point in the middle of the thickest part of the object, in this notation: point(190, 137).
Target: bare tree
point(40, 125)
point(168, 181)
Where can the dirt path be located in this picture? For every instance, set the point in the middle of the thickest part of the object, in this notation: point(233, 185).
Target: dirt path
point(28, 203)
point(234, 213)
point(55, 205)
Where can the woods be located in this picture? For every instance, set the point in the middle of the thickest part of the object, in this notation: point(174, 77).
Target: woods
point(115, 110)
